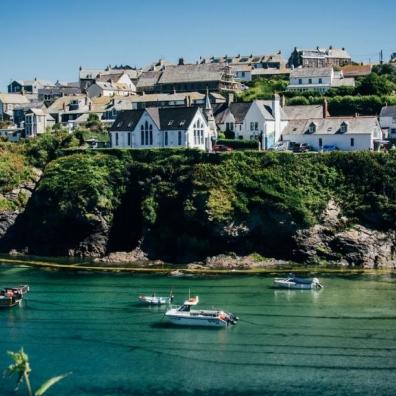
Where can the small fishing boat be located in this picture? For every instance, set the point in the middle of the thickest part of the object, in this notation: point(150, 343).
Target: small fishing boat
point(12, 296)
point(293, 282)
point(156, 300)
point(185, 316)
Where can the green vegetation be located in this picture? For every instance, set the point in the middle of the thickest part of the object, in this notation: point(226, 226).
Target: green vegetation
point(370, 94)
point(262, 89)
point(239, 144)
point(20, 367)
point(186, 204)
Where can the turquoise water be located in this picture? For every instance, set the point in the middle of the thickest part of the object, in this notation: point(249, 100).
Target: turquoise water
point(338, 341)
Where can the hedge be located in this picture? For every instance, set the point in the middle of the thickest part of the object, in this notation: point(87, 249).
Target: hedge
point(239, 144)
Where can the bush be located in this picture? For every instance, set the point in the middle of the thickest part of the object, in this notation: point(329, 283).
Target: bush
point(238, 144)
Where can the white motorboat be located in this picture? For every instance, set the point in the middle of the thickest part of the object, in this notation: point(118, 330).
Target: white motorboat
point(155, 300)
point(185, 316)
point(293, 282)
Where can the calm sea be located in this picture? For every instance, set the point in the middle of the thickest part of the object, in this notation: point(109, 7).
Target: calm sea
point(337, 341)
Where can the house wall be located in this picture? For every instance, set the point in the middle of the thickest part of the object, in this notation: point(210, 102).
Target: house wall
point(187, 136)
point(343, 142)
point(243, 75)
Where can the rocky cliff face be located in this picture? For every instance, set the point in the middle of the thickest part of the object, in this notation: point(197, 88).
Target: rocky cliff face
point(337, 242)
point(18, 197)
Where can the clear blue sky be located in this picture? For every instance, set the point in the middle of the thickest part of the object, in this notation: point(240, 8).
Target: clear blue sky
point(50, 39)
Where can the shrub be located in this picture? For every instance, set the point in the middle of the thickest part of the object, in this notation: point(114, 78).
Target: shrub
point(239, 144)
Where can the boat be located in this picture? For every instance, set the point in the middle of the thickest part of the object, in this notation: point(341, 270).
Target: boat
point(156, 300)
point(12, 296)
point(293, 282)
point(185, 316)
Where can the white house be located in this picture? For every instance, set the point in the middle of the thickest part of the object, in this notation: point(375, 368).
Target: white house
point(388, 121)
point(8, 101)
point(159, 127)
point(319, 79)
point(346, 133)
point(110, 89)
point(37, 121)
point(253, 120)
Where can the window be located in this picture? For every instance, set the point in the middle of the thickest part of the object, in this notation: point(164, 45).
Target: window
point(320, 142)
point(393, 131)
point(300, 81)
point(179, 138)
point(116, 138)
point(252, 126)
point(393, 120)
point(256, 126)
point(320, 81)
point(352, 142)
point(344, 127)
point(199, 133)
point(129, 138)
point(310, 81)
point(312, 128)
point(146, 134)
point(166, 138)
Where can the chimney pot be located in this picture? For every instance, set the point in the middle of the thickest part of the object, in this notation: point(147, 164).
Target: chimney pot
point(325, 108)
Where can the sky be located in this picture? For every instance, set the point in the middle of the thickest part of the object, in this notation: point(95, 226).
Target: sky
point(50, 39)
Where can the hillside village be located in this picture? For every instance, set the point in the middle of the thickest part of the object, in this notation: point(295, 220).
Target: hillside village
point(317, 100)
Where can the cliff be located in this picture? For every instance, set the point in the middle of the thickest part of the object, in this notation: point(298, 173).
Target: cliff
point(184, 206)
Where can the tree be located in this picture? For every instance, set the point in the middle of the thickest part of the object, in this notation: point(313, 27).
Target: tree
point(373, 84)
point(21, 368)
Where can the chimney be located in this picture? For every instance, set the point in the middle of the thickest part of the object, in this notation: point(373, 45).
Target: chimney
point(276, 112)
point(181, 61)
point(325, 108)
point(230, 98)
point(64, 106)
point(86, 100)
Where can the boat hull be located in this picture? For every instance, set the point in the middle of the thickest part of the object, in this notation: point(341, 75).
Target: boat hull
point(293, 285)
point(197, 321)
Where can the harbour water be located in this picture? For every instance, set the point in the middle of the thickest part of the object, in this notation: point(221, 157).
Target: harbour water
point(340, 340)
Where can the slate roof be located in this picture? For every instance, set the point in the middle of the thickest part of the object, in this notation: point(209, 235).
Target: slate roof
point(388, 111)
point(89, 73)
point(13, 98)
point(148, 79)
point(325, 53)
point(245, 59)
point(311, 72)
point(166, 118)
point(191, 73)
point(303, 112)
point(238, 110)
point(332, 126)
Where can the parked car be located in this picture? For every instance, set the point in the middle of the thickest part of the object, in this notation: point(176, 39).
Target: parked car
point(328, 148)
point(281, 146)
point(221, 147)
point(301, 148)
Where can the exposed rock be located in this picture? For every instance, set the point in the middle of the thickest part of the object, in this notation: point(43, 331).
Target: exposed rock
point(336, 242)
point(126, 257)
point(233, 261)
point(7, 219)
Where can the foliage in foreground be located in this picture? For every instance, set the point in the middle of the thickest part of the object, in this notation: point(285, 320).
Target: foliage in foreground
point(20, 368)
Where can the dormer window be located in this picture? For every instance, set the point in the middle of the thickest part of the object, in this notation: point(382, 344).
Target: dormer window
point(312, 127)
point(344, 127)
